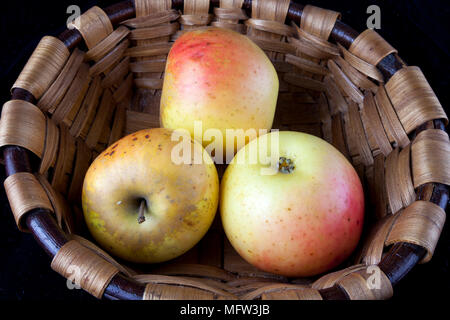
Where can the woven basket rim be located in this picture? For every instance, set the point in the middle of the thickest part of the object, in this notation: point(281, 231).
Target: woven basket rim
point(397, 262)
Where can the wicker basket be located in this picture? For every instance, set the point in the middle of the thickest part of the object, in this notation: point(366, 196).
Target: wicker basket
point(101, 80)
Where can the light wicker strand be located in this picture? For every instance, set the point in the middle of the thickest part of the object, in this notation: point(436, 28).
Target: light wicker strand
point(43, 66)
point(371, 47)
point(421, 223)
point(431, 157)
point(23, 124)
point(25, 193)
point(413, 98)
point(84, 267)
point(318, 21)
point(94, 25)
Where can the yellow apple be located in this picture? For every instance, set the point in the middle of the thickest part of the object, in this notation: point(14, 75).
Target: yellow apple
point(142, 206)
point(303, 219)
point(222, 79)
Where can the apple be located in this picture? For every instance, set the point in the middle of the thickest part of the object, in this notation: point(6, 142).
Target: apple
point(221, 79)
point(303, 219)
point(143, 207)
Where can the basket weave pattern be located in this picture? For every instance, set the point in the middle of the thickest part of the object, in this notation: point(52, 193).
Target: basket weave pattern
point(70, 102)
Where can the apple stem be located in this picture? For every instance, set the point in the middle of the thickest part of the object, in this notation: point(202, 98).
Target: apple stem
point(285, 165)
point(141, 217)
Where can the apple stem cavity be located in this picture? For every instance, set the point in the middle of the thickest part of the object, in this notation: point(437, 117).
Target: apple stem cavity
point(285, 165)
point(141, 217)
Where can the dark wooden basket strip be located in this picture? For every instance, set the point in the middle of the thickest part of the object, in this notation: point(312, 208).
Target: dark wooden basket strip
point(399, 251)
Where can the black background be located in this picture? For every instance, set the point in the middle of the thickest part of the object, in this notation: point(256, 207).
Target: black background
point(417, 28)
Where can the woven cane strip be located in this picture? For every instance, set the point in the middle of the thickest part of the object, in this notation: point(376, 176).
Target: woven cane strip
point(43, 66)
point(306, 65)
point(379, 187)
point(60, 208)
point(334, 95)
point(84, 267)
point(106, 45)
point(125, 89)
point(94, 25)
point(431, 157)
point(82, 161)
point(318, 21)
point(413, 98)
point(102, 117)
point(356, 136)
point(280, 291)
point(361, 65)
point(50, 147)
point(64, 161)
point(229, 14)
point(421, 223)
point(174, 292)
point(391, 123)
point(136, 121)
point(118, 125)
point(182, 281)
point(372, 119)
point(87, 110)
point(30, 134)
point(25, 193)
point(155, 49)
point(66, 110)
point(369, 283)
point(270, 26)
point(348, 87)
point(195, 13)
point(103, 254)
point(152, 19)
point(147, 7)
point(355, 76)
point(293, 294)
point(405, 182)
point(372, 250)
point(328, 280)
point(269, 10)
point(53, 96)
point(371, 47)
point(110, 59)
point(391, 180)
point(117, 74)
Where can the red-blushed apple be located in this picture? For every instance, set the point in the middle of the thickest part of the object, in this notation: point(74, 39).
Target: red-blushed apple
point(221, 78)
point(142, 206)
point(304, 219)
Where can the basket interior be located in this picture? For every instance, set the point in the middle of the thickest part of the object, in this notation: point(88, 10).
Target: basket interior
point(113, 87)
